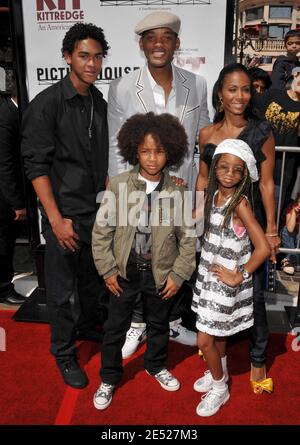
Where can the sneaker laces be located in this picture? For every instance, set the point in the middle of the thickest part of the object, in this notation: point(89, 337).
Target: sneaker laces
point(207, 377)
point(134, 333)
point(285, 262)
point(179, 328)
point(104, 390)
point(211, 399)
point(164, 376)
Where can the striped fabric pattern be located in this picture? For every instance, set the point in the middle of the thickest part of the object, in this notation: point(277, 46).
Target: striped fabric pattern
point(222, 310)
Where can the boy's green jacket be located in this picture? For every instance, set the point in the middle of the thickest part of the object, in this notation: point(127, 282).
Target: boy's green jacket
point(173, 242)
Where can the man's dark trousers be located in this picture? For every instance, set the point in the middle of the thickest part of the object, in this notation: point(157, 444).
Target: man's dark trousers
point(8, 234)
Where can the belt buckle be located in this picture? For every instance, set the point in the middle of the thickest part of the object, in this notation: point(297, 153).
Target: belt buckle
point(143, 266)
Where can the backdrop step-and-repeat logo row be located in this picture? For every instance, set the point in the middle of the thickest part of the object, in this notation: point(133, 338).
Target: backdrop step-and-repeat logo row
point(47, 21)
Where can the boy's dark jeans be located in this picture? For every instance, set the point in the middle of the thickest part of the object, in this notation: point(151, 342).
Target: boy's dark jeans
point(156, 313)
point(175, 312)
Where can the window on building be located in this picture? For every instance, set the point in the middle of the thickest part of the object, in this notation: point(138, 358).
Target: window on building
point(280, 12)
point(278, 31)
point(255, 13)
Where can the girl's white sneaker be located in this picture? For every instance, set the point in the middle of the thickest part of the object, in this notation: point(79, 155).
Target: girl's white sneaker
point(212, 402)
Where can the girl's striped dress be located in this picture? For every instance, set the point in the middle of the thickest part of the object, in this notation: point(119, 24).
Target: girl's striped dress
point(223, 310)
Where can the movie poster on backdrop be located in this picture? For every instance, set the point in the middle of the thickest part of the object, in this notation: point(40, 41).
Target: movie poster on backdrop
point(46, 22)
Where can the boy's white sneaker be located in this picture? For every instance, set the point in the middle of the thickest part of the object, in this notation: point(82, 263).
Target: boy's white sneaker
point(103, 395)
point(182, 335)
point(166, 380)
point(211, 402)
point(134, 337)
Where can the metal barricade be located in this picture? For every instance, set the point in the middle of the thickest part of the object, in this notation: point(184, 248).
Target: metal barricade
point(292, 311)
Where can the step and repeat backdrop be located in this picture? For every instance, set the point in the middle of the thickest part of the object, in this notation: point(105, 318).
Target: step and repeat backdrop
point(202, 37)
point(46, 22)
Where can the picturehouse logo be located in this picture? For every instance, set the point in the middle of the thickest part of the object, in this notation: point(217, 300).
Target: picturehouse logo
point(59, 11)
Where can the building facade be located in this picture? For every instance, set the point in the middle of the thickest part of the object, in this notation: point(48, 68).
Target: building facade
point(276, 17)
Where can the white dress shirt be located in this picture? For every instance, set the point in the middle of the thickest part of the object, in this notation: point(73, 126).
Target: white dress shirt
point(161, 105)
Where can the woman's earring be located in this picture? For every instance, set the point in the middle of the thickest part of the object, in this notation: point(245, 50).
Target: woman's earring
point(220, 107)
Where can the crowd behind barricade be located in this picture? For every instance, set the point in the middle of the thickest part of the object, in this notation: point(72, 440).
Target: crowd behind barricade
point(124, 283)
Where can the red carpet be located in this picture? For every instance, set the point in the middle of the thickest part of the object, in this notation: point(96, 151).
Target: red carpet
point(32, 391)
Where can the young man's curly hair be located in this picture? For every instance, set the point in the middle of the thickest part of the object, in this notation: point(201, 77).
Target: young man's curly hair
point(82, 31)
point(164, 128)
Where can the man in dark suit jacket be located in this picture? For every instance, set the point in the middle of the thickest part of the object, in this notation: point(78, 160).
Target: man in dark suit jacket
point(12, 205)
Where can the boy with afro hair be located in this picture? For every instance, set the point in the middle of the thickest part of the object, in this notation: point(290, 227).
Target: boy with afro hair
point(152, 253)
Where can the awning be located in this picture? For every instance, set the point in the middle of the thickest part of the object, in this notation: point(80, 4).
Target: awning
point(252, 30)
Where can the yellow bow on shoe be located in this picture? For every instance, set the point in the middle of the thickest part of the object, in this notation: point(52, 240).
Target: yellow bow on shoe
point(200, 353)
point(263, 385)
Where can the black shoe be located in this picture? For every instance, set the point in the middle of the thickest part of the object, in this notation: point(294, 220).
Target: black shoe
point(13, 297)
point(72, 374)
point(90, 335)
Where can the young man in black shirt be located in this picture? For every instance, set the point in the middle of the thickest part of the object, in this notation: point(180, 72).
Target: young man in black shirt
point(65, 150)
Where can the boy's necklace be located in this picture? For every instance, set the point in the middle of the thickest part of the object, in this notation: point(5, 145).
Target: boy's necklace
point(91, 116)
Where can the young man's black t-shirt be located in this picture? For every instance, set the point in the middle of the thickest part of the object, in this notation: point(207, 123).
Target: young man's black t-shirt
point(283, 113)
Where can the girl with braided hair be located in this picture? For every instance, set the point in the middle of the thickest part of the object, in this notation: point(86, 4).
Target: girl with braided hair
point(223, 294)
